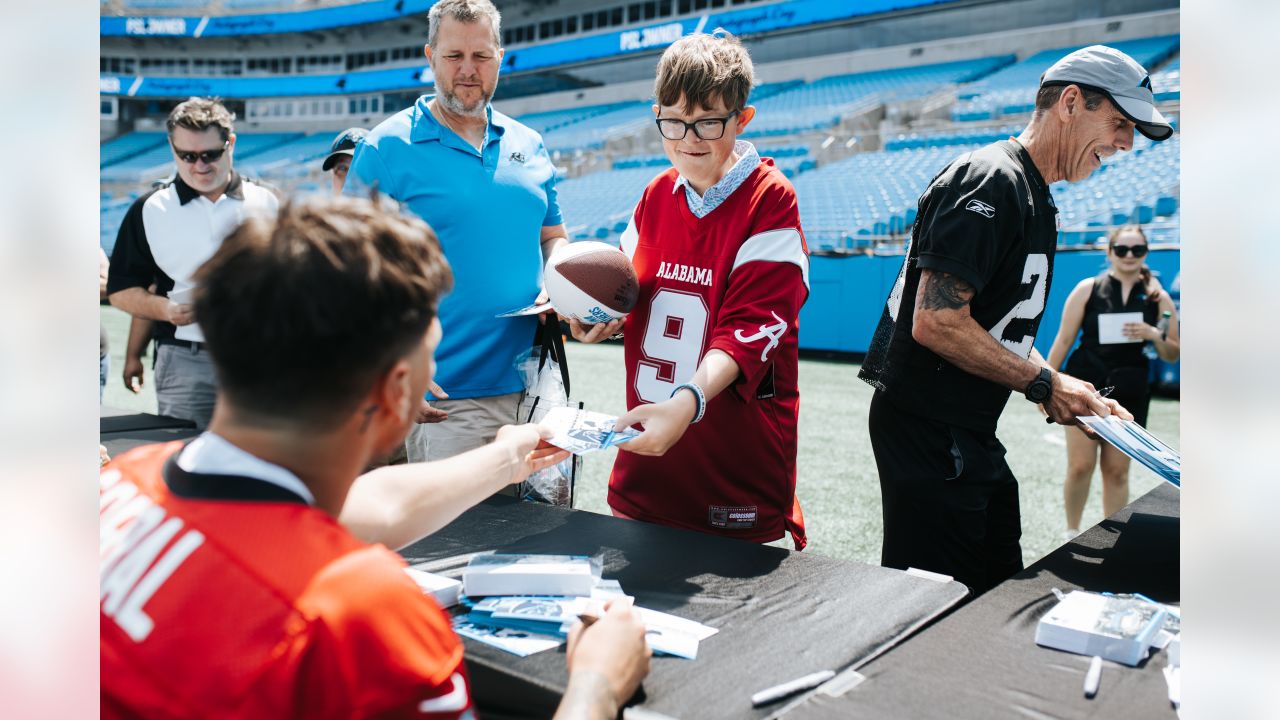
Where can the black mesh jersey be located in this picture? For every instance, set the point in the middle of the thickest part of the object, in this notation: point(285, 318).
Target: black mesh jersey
point(989, 219)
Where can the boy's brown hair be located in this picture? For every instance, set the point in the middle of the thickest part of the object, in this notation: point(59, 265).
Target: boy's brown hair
point(303, 313)
point(701, 69)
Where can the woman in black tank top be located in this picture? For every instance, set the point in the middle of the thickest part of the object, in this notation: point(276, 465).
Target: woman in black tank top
point(1125, 287)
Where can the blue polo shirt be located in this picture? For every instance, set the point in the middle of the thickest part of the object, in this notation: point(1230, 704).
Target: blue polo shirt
point(488, 209)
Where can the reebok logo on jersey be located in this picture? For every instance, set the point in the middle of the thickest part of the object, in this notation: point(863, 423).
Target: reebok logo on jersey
point(773, 332)
point(685, 273)
point(981, 208)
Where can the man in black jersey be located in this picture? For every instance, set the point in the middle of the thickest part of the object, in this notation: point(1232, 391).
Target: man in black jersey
point(958, 330)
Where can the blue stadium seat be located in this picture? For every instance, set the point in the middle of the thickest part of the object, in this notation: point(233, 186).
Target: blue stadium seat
point(822, 103)
point(1012, 89)
point(155, 4)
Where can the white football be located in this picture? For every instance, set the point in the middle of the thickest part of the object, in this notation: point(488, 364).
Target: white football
point(591, 281)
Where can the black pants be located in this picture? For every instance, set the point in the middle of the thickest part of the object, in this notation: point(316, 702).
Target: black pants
point(950, 500)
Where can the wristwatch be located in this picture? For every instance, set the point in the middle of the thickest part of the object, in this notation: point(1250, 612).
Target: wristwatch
point(1041, 388)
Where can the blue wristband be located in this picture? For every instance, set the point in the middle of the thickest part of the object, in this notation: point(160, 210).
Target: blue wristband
point(699, 397)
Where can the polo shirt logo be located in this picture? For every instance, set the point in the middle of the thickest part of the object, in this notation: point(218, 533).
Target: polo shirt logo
point(517, 157)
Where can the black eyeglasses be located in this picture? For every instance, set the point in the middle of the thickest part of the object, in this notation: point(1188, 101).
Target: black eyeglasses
point(706, 128)
point(1124, 250)
point(208, 157)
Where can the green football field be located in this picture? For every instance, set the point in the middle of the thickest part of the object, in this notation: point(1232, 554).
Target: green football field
point(837, 484)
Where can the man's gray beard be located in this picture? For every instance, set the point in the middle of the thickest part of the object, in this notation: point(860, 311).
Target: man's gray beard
point(455, 106)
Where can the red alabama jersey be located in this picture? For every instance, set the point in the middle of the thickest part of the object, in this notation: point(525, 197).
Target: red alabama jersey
point(233, 608)
point(733, 280)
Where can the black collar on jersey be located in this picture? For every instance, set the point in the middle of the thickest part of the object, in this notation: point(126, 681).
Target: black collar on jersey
point(208, 486)
point(235, 189)
point(1024, 157)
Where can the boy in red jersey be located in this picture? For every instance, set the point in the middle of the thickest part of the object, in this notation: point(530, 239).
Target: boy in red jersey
point(711, 350)
point(231, 582)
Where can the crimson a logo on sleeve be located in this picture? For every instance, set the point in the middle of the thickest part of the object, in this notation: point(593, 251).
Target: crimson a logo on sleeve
point(981, 208)
point(732, 517)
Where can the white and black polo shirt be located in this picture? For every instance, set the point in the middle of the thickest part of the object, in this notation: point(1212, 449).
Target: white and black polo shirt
point(169, 232)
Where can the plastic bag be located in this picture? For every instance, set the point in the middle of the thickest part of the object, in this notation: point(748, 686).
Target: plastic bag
point(545, 375)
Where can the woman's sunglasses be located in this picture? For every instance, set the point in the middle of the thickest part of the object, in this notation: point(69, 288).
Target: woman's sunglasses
point(208, 157)
point(1124, 250)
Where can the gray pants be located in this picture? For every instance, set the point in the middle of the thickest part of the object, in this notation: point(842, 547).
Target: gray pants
point(186, 386)
point(472, 423)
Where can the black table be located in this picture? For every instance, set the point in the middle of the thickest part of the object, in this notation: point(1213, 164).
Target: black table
point(781, 614)
point(121, 430)
point(982, 660)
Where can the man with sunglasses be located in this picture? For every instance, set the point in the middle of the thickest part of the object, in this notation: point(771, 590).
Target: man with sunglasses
point(958, 330)
point(167, 234)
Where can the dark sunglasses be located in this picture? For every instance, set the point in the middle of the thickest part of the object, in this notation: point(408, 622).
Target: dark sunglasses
point(706, 128)
point(208, 157)
point(1124, 250)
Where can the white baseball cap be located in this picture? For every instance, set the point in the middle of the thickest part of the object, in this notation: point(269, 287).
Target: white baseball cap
point(1117, 76)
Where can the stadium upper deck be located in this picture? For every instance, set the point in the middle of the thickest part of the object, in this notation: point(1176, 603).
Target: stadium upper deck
point(868, 124)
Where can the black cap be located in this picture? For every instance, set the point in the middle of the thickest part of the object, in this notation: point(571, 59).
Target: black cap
point(344, 144)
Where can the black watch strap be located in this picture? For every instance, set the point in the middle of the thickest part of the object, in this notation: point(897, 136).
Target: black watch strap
point(1041, 388)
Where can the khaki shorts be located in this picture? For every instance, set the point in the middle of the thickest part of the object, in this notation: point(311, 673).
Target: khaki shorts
point(472, 423)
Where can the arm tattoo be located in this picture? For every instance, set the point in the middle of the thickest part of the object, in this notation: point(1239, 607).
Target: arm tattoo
point(944, 291)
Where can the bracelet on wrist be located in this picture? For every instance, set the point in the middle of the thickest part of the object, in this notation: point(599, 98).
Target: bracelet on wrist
point(699, 398)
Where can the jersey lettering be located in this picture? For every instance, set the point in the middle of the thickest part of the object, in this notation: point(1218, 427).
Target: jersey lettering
point(1036, 271)
point(685, 273)
point(773, 332)
point(134, 535)
point(672, 345)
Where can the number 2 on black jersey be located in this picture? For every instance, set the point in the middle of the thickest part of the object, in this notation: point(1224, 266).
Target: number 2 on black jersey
point(1036, 270)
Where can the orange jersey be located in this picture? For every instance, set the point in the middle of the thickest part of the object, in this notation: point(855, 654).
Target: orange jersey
point(226, 607)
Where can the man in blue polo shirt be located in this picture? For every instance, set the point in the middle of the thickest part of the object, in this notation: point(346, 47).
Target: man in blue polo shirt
point(486, 185)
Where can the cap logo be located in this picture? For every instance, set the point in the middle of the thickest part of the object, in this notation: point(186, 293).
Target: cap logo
point(1146, 82)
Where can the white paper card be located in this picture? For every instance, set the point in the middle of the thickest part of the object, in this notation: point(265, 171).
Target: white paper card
point(445, 590)
point(185, 296)
point(516, 642)
point(584, 431)
point(534, 309)
point(1131, 439)
point(1111, 327)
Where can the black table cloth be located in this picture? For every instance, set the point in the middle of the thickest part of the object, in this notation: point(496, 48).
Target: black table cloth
point(982, 661)
point(780, 614)
point(120, 430)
